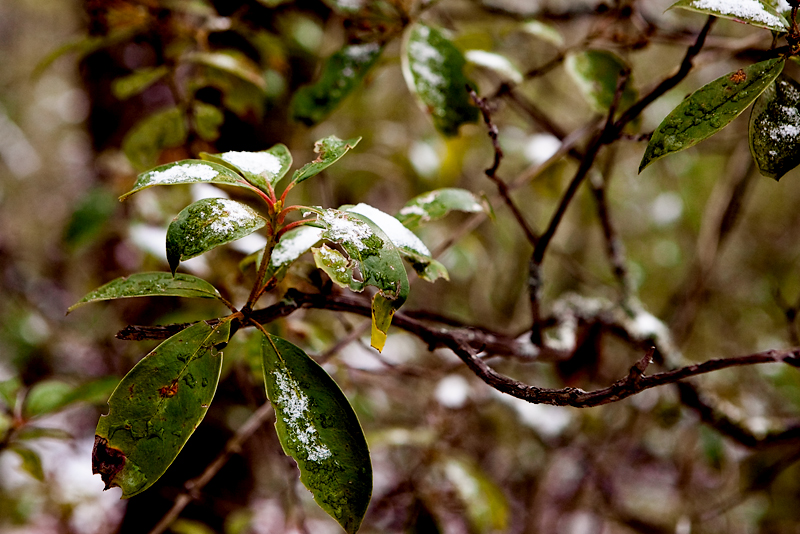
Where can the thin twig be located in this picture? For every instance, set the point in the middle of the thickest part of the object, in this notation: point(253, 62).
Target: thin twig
point(491, 172)
point(233, 446)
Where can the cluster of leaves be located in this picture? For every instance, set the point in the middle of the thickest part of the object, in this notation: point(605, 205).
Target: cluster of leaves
point(159, 403)
point(774, 129)
point(157, 406)
point(21, 410)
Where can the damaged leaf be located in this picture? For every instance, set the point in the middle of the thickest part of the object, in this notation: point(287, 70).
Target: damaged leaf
point(157, 406)
point(328, 151)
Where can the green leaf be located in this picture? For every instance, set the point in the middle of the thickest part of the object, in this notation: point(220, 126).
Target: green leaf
point(262, 169)
point(31, 432)
point(156, 407)
point(47, 396)
point(206, 224)
point(433, 70)
point(409, 245)
point(90, 217)
point(231, 62)
point(335, 264)
point(435, 204)
point(596, 72)
point(145, 141)
point(341, 74)
point(187, 171)
point(9, 389)
point(775, 128)
point(328, 151)
point(319, 429)
point(292, 245)
point(154, 284)
point(50, 395)
point(710, 108)
point(750, 12)
point(369, 249)
point(138, 81)
point(31, 462)
point(207, 120)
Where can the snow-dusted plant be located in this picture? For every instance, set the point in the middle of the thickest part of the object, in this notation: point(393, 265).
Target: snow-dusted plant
point(158, 404)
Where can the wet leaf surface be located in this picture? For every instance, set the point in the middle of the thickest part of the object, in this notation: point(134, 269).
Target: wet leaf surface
point(156, 408)
point(262, 169)
point(319, 429)
point(292, 245)
point(775, 128)
point(710, 108)
point(409, 245)
point(154, 284)
point(433, 69)
point(206, 224)
point(231, 62)
point(328, 151)
point(341, 74)
point(372, 257)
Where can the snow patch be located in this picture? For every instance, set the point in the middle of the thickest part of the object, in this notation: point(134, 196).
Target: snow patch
point(254, 162)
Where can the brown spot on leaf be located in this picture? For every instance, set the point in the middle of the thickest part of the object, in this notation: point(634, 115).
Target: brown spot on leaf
point(106, 461)
point(739, 76)
point(170, 390)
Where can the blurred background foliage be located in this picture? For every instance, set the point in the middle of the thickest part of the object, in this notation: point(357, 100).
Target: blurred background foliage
point(92, 93)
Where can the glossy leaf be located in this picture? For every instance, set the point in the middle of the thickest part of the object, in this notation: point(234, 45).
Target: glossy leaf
point(775, 128)
point(153, 284)
point(433, 70)
point(436, 204)
point(328, 151)
point(138, 81)
point(751, 12)
point(596, 73)
point(292, 245)
point(206, 224)
point(709, 109)
point(319, 429)
point(231, 62)
point(207, 120)
point(262, 169)
point(156, 408)
point(188, 171)
point(31, 462)
point(145, 141)
point(341, 74)
point(370, 250)
point(409, 245)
